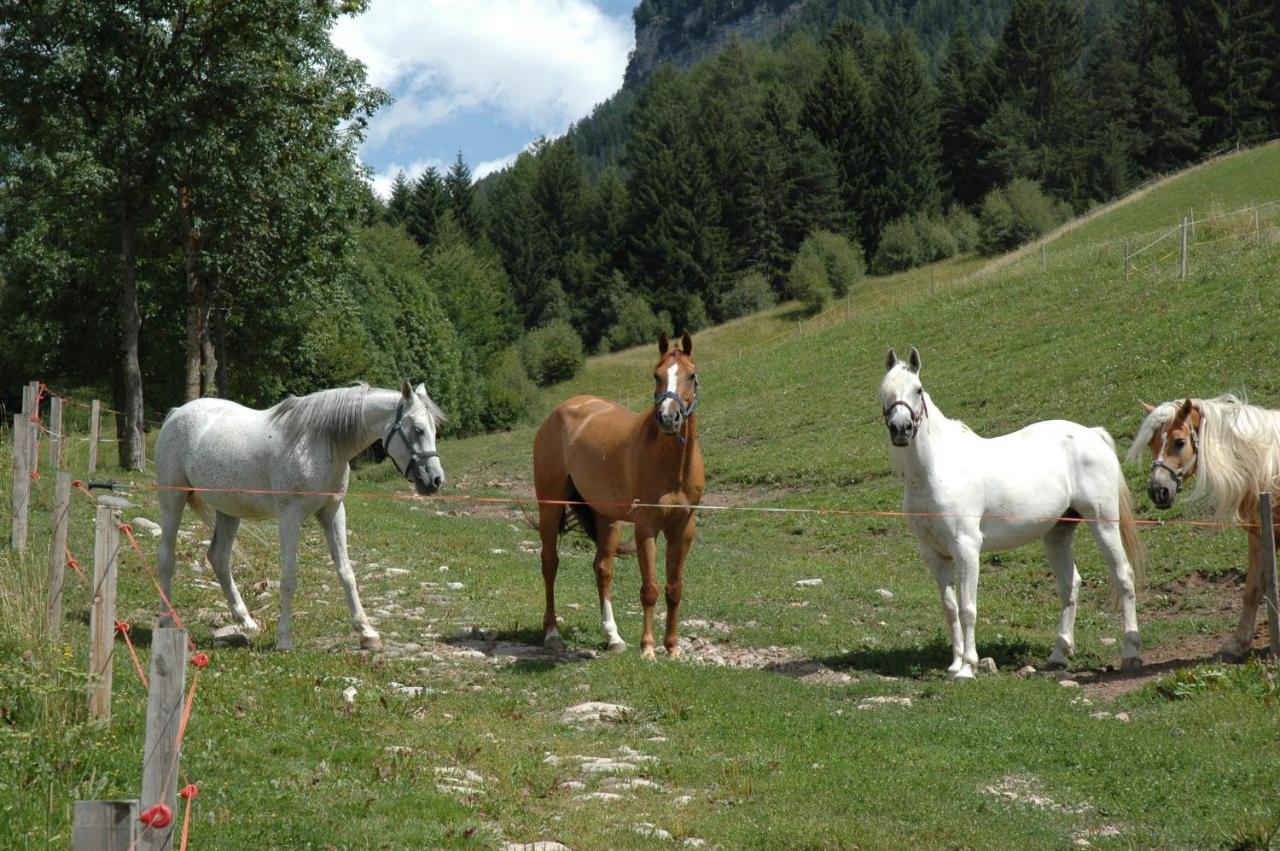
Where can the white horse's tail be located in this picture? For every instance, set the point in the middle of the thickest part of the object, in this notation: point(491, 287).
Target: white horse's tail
point(1134, 549)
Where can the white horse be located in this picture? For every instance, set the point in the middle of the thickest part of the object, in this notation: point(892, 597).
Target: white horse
point(965, 495)
point(288, 462)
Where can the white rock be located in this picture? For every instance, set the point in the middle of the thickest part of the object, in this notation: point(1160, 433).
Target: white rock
point(1122, 716)
point(151, 527)
point(230, 635)
point(497, 551)
point(987, 665)
point(397, 571)
point(883, 700)
point(573, 785)
point(1100, 715)
point(551, 759)
point(1068, 684)
point(454, 586)
point(626, 783)
point(694, 842)
point(885, 593)
point(653, 831)
point(349, 697)
point(607, 766)
point(1026, 670)
point(595, 711)
point(540, 845)
point(1106, 642)
point(599, 796)
point(808, 583)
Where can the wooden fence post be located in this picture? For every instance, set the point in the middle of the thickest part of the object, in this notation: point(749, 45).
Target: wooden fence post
point(1268, 534)
point(1126, 258)
point(102, 617)
point(1257, 229)
point(55, 432)
point(94, 412)
point(933, 283)
point(105, 826)
point(164, 716)
point(1184, 249)
point(1191, 216)
point(58, 551)
point(1043, 264)
point(21, 496)
point(34, 419)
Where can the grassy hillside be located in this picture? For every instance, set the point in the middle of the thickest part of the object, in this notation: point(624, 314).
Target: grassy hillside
point(775, 748)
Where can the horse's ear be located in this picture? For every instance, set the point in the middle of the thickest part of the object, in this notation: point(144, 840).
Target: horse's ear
point(1185, 410)
point(913, 363)
point(1146, 409)
point(663, 343)
point(406, 389)
point(686, 343)
point(891, 359)
point(421, 390)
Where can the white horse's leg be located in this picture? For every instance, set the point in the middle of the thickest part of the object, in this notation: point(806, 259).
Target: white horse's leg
point(224, 538)
point(1057, 549)
point(171, 506)
point(940, 567)
point(1107, 533)
point(966, 556)
point(333, 519)
point(1241, 641)
point(290, 530)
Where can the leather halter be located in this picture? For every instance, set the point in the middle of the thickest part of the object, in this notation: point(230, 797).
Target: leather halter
point(418, 458)
point(916, 416)
point(1180, 473)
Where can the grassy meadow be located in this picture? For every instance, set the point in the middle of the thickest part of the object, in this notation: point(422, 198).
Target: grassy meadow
point(458, 736)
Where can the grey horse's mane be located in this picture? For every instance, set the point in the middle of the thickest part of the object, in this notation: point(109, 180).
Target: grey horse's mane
point(336, 414)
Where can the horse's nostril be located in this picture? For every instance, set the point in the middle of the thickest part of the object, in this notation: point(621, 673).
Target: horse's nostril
point(437, 480)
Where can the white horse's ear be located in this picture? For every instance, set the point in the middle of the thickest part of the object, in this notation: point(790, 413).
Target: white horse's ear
point(913, 363)
point(663, 343)
point(891, 359)
point(406, 389)
point(686, 343)
point(1146, 409)
point(421, 390)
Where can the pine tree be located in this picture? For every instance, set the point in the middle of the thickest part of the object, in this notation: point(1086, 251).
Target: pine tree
point(1164, 122)
point(964, 104)
point(513, 230)
point(427, 204)
point(398, 202)
point(462, 198)
point(837, 109)
point(904, 166)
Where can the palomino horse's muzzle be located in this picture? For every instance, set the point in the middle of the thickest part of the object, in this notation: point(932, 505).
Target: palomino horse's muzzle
point(902, 430)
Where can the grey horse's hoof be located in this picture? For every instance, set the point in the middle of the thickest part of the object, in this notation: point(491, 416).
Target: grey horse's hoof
point(1131, 663)
point(1228, 657)
point(616, 646)
point(1052, 664)
point(370, 642)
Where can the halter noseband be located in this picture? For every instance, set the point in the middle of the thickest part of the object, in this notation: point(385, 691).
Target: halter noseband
point(916, 416)
point(1180, 473)
point(419, 458)
point(685, 410)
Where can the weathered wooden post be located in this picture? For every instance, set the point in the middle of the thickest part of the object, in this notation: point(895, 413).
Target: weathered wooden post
point(1126, 258)
point(94, 412)
point(33, 417)
point(58, 550)
point(55, 432)
point(1268, 534)
point(102, 617)
point(933, 283)
point(1043, 264)
point(1184, 249)
point(21, 494)
point(105, 826)
point(164, 718)
point(1257, 227)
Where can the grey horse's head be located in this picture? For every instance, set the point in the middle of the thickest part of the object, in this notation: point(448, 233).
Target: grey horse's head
point(410, 440)
point(902, 397)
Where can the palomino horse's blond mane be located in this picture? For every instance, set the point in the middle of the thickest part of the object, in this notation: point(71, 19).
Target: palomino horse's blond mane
point(1239, 453)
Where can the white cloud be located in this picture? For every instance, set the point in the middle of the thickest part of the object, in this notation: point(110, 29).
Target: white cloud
point(541, 64)
point(382, 180)
point(490, 166)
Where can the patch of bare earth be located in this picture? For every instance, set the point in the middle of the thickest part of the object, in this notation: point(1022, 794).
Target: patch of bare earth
point(705, 643)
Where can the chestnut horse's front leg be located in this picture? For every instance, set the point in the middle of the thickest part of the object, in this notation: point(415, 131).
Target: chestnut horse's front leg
point(647, 555)
point(1239, 644)
point(679, 539)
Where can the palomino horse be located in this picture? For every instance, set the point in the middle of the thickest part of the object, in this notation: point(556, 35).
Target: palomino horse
point(612, 465)
point(1233, 451)
point(288, 462)
point(965, 495)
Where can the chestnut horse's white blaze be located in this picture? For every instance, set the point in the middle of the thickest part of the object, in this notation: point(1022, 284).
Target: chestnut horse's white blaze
point(606, 457)
point(966, 495)
point(213, 453)
point(1232, 449)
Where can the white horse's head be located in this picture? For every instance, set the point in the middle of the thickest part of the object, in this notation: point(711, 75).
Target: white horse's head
point(902, 397)
point(410, 441)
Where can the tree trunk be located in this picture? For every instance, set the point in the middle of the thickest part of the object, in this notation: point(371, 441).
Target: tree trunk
point(218, 333)
point(196, 313)
point(131, 439)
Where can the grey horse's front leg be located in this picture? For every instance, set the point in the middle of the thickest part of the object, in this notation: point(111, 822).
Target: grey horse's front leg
point(333, 519)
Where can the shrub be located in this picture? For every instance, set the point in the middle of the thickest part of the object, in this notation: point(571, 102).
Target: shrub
point(509, 393)
point(936, 239)
point(843, 259)
point(695, 315)
point(1017, 213)
point(900, 247)
point(750, 294)
point(964, 229)
point(552, 353)
point(808, 280)
point(635, 324)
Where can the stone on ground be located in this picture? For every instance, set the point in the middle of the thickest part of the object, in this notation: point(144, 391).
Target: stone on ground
point(595, 712)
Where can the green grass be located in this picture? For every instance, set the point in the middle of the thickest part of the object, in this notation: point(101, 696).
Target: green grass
point(745, 758)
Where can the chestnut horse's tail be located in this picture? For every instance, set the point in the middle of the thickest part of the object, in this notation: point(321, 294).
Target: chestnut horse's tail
point(584, 520)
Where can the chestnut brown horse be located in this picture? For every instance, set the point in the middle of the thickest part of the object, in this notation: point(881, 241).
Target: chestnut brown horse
point(612, 466)
point(1232, 449)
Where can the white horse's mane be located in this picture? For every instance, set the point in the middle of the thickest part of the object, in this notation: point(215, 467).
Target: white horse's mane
point(1239, 455)
point(336, 414)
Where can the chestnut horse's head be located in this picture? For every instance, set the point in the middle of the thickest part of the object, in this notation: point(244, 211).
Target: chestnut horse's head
point(902, 397)
point(675, 379)
point(1175, 447)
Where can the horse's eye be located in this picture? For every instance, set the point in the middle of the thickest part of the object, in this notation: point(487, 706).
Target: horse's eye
point(693, 376)
point(419, 431)
point(1179, 443)
point(919, 391)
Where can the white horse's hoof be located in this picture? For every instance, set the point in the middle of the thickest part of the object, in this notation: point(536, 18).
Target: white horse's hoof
point(1131, 663)
point(249, 628)
point(554, 643)
point(647, 653)
point(1055, 663)
point(965, 673)
point(616, 645)
point(370, 642)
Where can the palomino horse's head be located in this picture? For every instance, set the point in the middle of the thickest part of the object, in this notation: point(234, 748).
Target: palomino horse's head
point(676, 384)
point(410, 441)
point(902, 397)
point(1175, 448)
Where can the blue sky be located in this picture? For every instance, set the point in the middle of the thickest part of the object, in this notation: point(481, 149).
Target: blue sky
point(486, 77)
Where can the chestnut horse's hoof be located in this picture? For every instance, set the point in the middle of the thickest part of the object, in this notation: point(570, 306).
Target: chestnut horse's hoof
point(674, 652)
point(647, 652)
point(1131, 663)
point(553, 642)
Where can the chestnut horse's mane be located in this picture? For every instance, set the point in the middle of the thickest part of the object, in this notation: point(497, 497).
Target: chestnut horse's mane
point(1239, 454)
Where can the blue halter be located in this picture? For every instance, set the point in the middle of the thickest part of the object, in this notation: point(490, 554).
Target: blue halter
point(685, 410)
